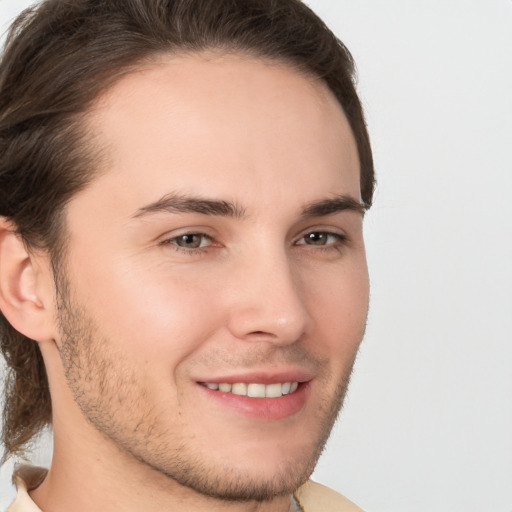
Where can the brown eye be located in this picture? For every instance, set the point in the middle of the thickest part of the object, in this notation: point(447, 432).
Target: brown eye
point(191, 241)
point(316, 238)
point(322, 238)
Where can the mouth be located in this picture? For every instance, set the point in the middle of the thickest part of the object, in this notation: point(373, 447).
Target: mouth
point(259, 395)
point(254, 389)
point(261, 401)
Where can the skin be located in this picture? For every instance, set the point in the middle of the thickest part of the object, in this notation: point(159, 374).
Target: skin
point(140, 321)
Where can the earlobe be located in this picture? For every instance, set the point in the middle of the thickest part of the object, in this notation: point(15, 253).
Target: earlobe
point(20, 296)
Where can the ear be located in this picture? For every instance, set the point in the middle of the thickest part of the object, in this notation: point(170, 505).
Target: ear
point(26, 297)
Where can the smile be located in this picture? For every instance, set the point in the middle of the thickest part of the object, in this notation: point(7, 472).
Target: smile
point(254, 389)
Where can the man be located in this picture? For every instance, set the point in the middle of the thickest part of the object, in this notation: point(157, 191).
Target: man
point(183, 279)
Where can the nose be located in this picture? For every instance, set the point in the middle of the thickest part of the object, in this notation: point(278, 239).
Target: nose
point(268, 300)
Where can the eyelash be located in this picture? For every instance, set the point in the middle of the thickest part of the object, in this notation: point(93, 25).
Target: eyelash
point(341, 240)
point(184, 250)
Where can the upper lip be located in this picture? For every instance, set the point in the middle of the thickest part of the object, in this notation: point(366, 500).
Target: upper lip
point(262, 377)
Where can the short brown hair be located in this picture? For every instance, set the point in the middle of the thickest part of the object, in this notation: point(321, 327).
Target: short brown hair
point(59, 57)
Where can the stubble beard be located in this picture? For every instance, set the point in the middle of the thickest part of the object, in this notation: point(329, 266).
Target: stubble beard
point(104, 391)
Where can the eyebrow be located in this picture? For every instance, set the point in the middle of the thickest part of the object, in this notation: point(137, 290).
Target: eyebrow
point(176, 203)
point(334, 205)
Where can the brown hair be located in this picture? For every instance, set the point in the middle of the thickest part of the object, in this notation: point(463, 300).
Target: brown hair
point(59, 57)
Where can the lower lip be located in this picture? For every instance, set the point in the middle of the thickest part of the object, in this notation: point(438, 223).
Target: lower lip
point(265, 409)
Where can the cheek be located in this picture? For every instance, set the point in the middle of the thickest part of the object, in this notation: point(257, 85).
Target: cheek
point(339, 306)
point(151, 316)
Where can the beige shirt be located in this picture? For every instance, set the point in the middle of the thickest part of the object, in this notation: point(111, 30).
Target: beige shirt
point(312, 497)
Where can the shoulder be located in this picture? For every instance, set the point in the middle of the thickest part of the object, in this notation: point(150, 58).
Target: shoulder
point(315, 497)
point(26, 478)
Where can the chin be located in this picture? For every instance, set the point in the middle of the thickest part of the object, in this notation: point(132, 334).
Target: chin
point(236, 484)
point(249, 472)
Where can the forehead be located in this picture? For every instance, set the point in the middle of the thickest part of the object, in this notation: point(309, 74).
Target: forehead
point(222, 125)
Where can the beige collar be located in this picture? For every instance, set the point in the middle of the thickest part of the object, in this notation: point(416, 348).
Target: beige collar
point(26, 478)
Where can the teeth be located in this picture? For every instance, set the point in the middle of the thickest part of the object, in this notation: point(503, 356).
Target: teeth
point(273, 390)
point(254, 389)
point(240, 388)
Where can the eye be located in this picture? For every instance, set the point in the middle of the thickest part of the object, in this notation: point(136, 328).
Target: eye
point(190, 241)
point(322, 238)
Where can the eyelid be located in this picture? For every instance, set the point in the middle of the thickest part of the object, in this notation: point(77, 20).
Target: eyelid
point(170, 240)
point(336, 243)
point(336, 232)
point(188, 230)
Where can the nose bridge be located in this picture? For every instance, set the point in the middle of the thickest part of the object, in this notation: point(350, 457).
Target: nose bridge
point(269, 301)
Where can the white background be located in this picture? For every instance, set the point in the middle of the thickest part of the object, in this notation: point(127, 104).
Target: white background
point(428, 421)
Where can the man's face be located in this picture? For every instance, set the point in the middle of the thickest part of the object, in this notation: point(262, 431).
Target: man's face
point(219, 253)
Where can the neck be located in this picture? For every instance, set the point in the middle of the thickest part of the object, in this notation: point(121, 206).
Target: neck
point(82, 480)
point(61, 492)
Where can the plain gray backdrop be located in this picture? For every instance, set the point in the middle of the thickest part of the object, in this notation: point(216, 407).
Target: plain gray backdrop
point(427, 425)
